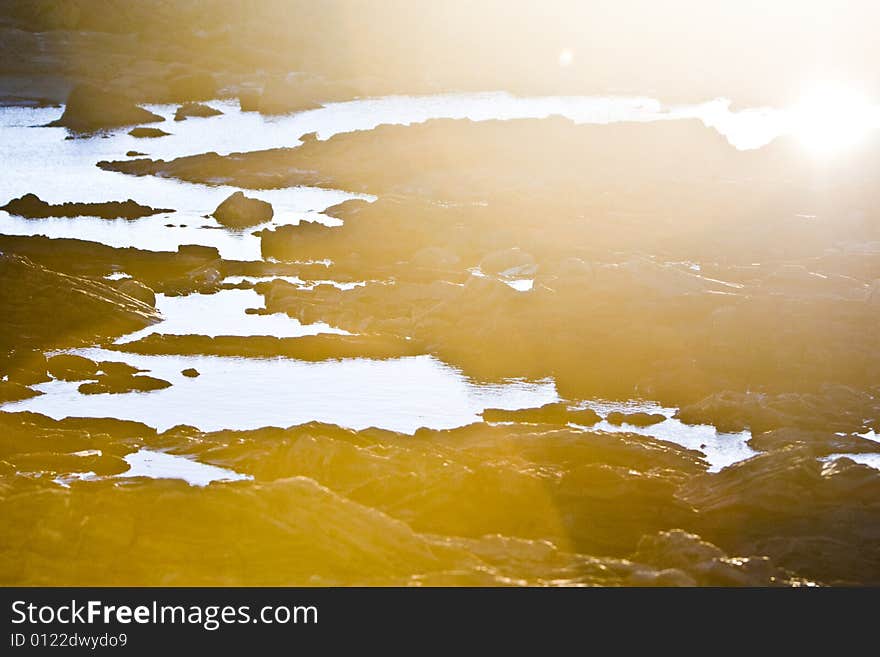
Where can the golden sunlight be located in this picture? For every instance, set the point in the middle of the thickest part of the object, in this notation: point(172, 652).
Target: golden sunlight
point(832, 117)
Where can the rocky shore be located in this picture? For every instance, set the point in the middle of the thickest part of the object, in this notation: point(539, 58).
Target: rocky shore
point(738, 291)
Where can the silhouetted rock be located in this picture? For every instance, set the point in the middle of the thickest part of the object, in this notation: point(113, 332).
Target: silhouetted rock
point(123, 384)
point(239, 211)
point(32, 207)
point(190, 372)
point(90, 108)
point(148, 133)
point(70, 367)
point(195, 110)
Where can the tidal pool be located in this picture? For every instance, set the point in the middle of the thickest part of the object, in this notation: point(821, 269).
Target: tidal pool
point(400, 394)
point(224, 313)
point(721, 449)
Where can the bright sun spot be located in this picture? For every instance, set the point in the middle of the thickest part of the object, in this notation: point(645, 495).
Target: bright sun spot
point(566, 57)
point(832, 117)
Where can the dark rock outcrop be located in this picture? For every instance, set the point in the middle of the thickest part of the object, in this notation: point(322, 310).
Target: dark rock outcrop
point(90, 108)
point(239, 211)
point(32, 207)
point(45, 309)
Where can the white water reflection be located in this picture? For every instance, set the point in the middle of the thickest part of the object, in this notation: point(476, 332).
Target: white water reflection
point(224, 313)
point(721, 449)
point(400, 394)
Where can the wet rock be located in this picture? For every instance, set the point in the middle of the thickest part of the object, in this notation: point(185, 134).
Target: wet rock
point(122, 384)
point(137, 290)
point(195, 110)
point(780, 503)
point(70, 367)
point(90, 108)
point(190, 372)
point(554, 413)
point(44, 309)
point(706, 564)
point(148, 133)
point(639, 419)
point(238, 211)
point(13, 392)
point(32, 207)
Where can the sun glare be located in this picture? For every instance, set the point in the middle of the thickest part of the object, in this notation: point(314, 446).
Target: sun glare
point(832, 117)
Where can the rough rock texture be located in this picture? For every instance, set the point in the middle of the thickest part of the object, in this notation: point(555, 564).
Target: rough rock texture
point(43, 308)
point(32, 207)
point(90, 108)
point(239, 211)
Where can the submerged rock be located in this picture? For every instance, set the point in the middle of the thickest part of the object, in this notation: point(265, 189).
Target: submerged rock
point(33, 207)
point(195, 109)
point(90, 108)
point(239, 211)
point(147, 133)
point(70, 367)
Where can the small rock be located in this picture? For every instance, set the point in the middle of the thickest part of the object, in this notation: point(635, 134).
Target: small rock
point(195, 109)
point(239, 211)
point(91, 108)
point(135, 154)
point(147, 133)
point(191, 372)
